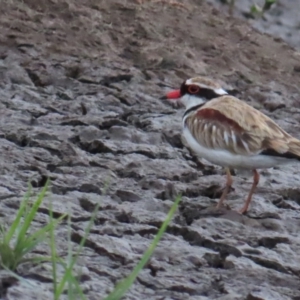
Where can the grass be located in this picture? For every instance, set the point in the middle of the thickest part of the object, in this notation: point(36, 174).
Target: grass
point(124, 285)
point(68, 279)
point(255, 10)
point(18, 241)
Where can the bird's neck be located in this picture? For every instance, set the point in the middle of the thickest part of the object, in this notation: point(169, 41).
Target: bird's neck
point(191, 109)
point(190, 101)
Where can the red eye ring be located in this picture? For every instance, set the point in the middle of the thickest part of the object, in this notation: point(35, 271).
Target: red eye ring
point(193, 89)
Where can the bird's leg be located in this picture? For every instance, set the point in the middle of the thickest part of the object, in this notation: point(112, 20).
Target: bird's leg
point(254, 185)
point(227, 188)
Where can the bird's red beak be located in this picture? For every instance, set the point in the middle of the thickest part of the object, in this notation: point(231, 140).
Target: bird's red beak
point(172, 95)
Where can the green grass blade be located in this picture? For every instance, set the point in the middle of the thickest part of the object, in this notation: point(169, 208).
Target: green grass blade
point(31, 214)
point(68, 271)
point(70, 250)
point(7, 257)
point(12, 256)
point(70, 253)
point(71, 279)
point(36, 260)
point(30, 242)
point(53, 250)
point(124, 285)
point(40, 235)
point(12, 229)
point(78, 289)
point(48, 227)
point(268, 4)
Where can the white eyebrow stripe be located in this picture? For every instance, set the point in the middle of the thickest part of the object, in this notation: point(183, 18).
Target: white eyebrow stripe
point(220, 91)
point(217, 90)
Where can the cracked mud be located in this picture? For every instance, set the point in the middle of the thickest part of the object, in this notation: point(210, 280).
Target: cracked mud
point(79, 103)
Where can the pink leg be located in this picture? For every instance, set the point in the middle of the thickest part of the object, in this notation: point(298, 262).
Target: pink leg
point(255, 183)
point(226, 190)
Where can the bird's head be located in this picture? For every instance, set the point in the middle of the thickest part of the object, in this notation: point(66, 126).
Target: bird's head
point(195, 91)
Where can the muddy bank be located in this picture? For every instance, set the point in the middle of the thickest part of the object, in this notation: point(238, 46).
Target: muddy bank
point(79, 102)
point(282, 20)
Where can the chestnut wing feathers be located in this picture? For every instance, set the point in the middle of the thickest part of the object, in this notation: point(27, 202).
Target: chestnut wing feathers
point(230, 124)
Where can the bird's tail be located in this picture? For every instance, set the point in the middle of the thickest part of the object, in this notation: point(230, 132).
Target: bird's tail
point(294, 148)
point(286, 148)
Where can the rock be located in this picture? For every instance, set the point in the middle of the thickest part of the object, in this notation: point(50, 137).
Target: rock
point(127, 196)
point(264, 294)
point(271, 242)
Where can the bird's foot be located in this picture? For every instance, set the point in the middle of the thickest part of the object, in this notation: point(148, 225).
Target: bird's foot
point(224, 206)
point(243, 210)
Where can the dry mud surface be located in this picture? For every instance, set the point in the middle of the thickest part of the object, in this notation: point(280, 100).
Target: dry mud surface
point(79, 89)
point(282, 20)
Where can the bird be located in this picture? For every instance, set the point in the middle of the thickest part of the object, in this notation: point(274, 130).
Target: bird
point(228, 132)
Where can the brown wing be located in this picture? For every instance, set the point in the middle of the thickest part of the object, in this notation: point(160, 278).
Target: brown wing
point(230, 124)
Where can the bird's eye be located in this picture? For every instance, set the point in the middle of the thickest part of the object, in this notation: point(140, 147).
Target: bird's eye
point(193, 89)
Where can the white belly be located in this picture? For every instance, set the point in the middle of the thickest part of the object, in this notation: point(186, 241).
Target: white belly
point(226, 159)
